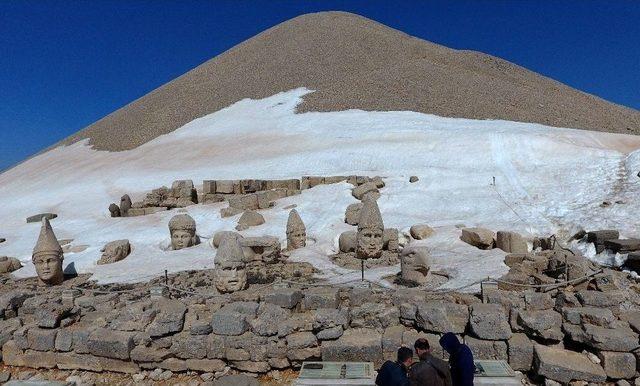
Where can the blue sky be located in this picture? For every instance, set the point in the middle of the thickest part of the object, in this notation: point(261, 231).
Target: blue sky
point(66, 64)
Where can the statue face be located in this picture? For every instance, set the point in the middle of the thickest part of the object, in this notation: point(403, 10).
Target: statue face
point(369, 243)
point(49, 268)
point(181, 239)
point(414, 264)
point(297, 239)
point(230, 277)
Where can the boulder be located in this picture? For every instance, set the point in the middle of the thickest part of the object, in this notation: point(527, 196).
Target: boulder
point(283, 297)
point(360, 191)
point(588, 315)
point(420, 231)
point(564, 365)
point(413, 179)
point(41, 339)
point(301, 340)
point(489, 321)
point(347, 241)
point(249, 218)
point(321, 297)
point(623, 245)
point(244, 201)
point(487, 349)
point(478, 237)
point(218, 236)
point(511, 242)
point(520, 349)
point(9, 264)
point(541, 324)
point(226, 322)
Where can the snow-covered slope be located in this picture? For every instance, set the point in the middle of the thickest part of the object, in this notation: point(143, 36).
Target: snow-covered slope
point(548, 180)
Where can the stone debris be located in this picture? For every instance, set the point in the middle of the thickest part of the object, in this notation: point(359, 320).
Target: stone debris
point(352, 213)
point(248, 219)
point(565, 365)
point(511, 242)
point(9, 264)
point(478, 237)
point(413, 179)
point(114, 251)
point(421, 231)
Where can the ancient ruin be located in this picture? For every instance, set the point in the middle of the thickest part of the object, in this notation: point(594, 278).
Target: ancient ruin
point(182, 228)
point(296, 231)
point(47, 256)
point(230, 272)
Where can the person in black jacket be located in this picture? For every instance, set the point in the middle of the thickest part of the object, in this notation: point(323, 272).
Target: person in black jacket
point(395, 373)
point(460, 360)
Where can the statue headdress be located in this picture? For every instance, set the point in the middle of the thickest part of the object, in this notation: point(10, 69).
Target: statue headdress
point(294, 222)
point(370, 216)
point(182, 222)
point(229, 251)
point(47, 241)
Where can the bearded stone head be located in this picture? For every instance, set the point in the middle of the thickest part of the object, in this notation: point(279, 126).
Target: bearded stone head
point(415, 264)
point(183, 232)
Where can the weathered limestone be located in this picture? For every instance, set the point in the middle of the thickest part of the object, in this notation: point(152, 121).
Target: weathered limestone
point(114, 251)
point(415, 264)
point(511, 242)
point(347, 241)
point(354, 345)
point(478, 237)
point(114, 210)
point(487, 349)
point(182, 228)
point(218, 236)
point(248, 219)
point(230, 267)
point(47, 256)
point(9, 264)
point(544, 324)
point(352, 213)
point(184, 193)
point(369, 239)
point(125, 205)
point(296, 231)
point(420, 231)
point(264, 249)
point(564, 365)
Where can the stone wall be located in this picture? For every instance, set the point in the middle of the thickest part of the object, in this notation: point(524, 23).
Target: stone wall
point(564, 335)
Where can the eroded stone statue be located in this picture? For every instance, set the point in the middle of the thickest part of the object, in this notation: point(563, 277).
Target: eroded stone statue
point(369, 239)
point(230, 266)
point(296, 231)
point(125, 205)
point(114, 251)
point(47, 256)
point(415, 264)
point(183, 232)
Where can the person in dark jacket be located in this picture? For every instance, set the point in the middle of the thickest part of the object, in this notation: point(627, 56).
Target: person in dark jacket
point(395, 373)
point(460, 360)
point(430, 371)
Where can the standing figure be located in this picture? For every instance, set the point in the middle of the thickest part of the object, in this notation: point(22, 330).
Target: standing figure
point(230, 267)
point(296, 231)
point(369, 240)
point(47, 256)
point(430, 371)
point(395, 373)
point(182, 228)
point(460, 360)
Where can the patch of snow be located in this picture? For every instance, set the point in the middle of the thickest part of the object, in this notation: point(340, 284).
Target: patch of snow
point(548, 181)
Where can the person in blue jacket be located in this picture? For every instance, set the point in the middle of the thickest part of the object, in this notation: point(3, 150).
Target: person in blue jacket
point(395, 373)
point(460, 360)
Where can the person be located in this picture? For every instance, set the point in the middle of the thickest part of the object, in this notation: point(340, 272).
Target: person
point(460, 360)
point(395, 373)
point(430, 371)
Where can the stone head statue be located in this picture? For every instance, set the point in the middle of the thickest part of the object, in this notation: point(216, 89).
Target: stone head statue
point(47, 256)
point(369, 239)
point(415, 264)
point(296, 231)
point(230, 267)
point(115, 251)
point(125, 204)
point(183, 232)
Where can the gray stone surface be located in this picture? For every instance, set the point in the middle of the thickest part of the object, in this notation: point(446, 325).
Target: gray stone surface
point(110, 344)
point(421, 231)
point(489, 321)
point(41, 339)
point(487, 349)
point(169, 319)
point(284, 297)
point(355, 345)
point(588, 315)
point(511, 242)
point(520, 349)
point(39, 217)
point(321, 297)
point(541, 324)
point(618, 365)
point(229, 323)
point(478, 237)
point(564, 365)
point(442, 317)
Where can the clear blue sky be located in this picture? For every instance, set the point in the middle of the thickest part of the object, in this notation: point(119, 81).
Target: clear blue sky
point(65, 64)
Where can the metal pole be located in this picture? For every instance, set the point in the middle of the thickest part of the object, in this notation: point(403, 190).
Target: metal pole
point(362, 270)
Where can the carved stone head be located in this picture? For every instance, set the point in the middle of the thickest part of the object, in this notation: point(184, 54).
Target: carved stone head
point(296, 231)
point(47, 256)
point(415, 264)
point(369, 240)
point(230, 267)
point(125, 204)
point(115, 251)
point(183, 232)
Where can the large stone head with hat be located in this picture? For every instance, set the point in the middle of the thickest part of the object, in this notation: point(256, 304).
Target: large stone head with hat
point(369, 240)
point(230, 267)
point(183, 231)
point(47, 256)
point(296, 231)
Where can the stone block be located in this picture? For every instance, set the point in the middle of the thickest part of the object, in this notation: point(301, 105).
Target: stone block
point(228, 186)
point(308, 182)
point(538, 301)
point(169, 317)
point(511, 242)
point(352, 213)
point(73, 361)
point(205, 365)
point(110, 344)
point(618, 365)
point(520, 349)
point(229, 323)
point(487, 349)
point(291, 184)
point(41, 339)
point(244, 201)
point(589, 315)
point(478, 237)
point(489, 321)
point(321, 297)
point(209, 187)
point(355, 345)
point(330, 333)
point(360, 191)
point(421, 231)
point(565, 366)
point(251, 366)
point(391, 341)
point(301, 340)
point(442, 317)
point(149, 354)
point(187, 346)
point(328, 317)
point(64, 340)
point(599, 237)
point(302, 354)
point(546, 324)
point(623, 245)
